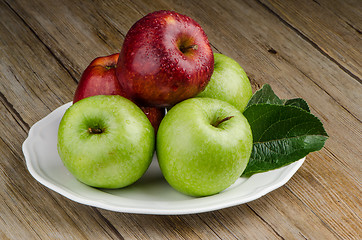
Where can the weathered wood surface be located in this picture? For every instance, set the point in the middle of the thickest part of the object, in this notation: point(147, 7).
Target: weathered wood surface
point(308, 49)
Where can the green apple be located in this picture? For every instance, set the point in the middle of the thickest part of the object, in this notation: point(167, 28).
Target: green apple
point(106, 141)
point(203, 146)
point(229, 83)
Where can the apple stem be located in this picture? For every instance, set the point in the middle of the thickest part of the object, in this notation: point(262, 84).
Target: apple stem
point(111, 66)
point(95, 130)
point(193, 47)
point(217, 123)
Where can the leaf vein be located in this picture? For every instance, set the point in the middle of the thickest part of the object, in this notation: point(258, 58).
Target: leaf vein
point(280, 139)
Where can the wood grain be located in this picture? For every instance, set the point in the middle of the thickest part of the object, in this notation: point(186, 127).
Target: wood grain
point(332, 28)
point(308, 49)
point(29, 210)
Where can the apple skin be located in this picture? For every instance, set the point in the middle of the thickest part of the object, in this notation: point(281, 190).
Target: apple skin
point(99, 78)
point(155, 115)
point(198, 158)
point(106, 141)
point(165, 58)
point(228, 82)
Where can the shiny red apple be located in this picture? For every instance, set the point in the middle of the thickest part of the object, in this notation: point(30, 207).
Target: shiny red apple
point(166, 58)
point(99, 78)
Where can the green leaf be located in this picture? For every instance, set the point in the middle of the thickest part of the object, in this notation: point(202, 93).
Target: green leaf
point(284, 131)
point(265, 95)
point(297, 102)
point(282, 134)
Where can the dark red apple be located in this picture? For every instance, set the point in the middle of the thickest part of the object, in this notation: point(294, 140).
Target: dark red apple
point(99, 78)
point(166, 58)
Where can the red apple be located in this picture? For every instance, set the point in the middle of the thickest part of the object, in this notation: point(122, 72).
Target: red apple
point(99, 78)
point(166, 58)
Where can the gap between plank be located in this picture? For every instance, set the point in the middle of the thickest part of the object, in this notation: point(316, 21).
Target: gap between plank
point(108, 223)
point(306, 75)
point(46, 46)
point(213, 214)
point(281, 237)
point(16, 115)
point(354, 28)
point(313, 44)
point(310, 209)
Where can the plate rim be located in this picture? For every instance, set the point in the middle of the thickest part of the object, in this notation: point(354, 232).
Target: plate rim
point(33, 166)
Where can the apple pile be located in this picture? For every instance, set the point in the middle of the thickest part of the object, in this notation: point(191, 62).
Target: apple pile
point(107, 138)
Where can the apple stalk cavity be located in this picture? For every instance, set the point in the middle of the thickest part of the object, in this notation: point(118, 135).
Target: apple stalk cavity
point(95, 130)
point(218, 122)
point(185, 49)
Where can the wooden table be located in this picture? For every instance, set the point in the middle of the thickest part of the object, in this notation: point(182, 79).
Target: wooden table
point(308, 49)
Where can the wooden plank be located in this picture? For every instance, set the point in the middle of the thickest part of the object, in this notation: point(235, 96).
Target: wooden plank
point(28, 71)
point(348, 11)
point(231, 223)
point(333, 26)
point(75, 33)
point(29, 210)
point(330, 194)
point(290, 218)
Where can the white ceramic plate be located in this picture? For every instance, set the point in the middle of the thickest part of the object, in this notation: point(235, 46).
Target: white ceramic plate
point(150, 195)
